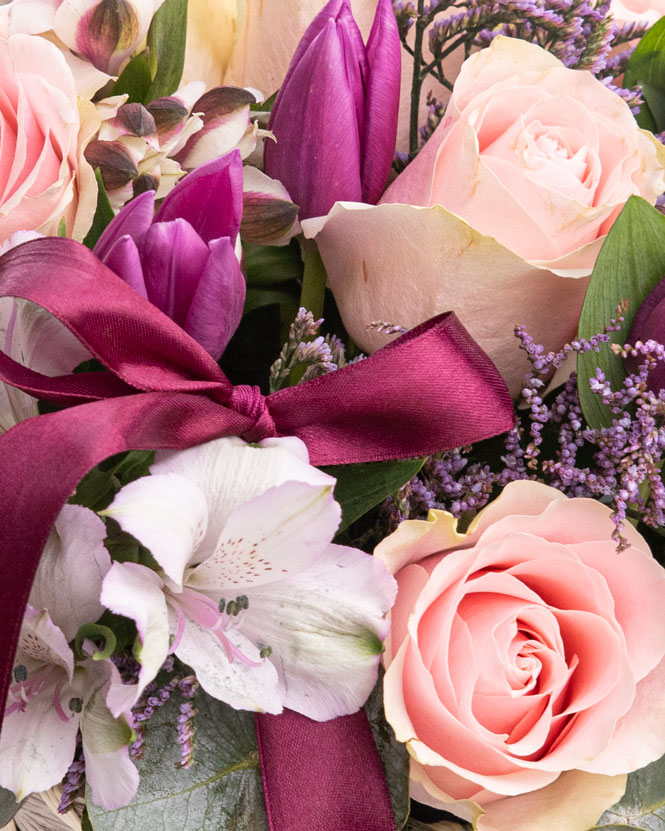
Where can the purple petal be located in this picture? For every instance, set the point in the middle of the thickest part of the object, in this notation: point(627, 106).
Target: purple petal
point(124, 259)
point(317, 152)
point(174, 258)
point(331, 10)
point(355, 61)
point(209, 198)
point(649, 324)
point(134, 219)
point(217, 305)
point(382, 108)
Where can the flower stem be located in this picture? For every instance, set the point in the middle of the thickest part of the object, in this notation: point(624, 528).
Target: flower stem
point(417, 80)
point(313, 291)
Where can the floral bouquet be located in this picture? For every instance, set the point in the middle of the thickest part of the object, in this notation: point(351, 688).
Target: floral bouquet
point(332, 415)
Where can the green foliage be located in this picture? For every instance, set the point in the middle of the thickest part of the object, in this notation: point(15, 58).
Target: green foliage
point(642, 807)
point(394, 755)
point(647, 68)
point(221, 791)
point(103, 213)
point(630, 264)
point(269, 265)
point(166, 45)
point(135, 80)
point(98, 487)
point(363, 486)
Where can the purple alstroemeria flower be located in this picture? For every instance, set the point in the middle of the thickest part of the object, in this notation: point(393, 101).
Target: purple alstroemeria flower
point(183, 259)
point(335, 118)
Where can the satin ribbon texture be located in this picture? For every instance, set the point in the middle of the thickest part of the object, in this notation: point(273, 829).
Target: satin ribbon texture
point(430, 390)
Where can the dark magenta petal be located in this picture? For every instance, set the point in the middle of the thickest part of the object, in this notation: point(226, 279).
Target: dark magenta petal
point(649, 324)
point(382, 107)
point(317, 152)
point(124, 259)
point(174, 257)
point(209, 198)
point(218, 302)
point(332, 9)
point(355, 63)
point(133, 219)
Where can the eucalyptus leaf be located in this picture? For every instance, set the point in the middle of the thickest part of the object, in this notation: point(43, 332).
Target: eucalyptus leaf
point(221, 791)
point(8, 806)
point(166, 44)
point(394, 755)
point(103, 213)
point(361, 487)
point(643, 805)
point(630, 264)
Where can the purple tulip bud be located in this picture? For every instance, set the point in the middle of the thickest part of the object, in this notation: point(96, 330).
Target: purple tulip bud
point(649, 324)
point(335, 118)
point(183, 259)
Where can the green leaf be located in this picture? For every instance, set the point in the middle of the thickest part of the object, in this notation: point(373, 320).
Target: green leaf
point(221, 791)
point(135, 80)
point(269, 265)
point(655, 99)
point(394, 755)
point(166, 43)
point(100, 485)
point(647, 63)
point(258, 297)
point(8, 806)
point(103, 214)
point(642, 806)
point(360, 487)
point(630, 264)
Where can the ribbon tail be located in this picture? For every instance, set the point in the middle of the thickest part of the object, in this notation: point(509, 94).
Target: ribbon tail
point(44, 458)
point(325, 776)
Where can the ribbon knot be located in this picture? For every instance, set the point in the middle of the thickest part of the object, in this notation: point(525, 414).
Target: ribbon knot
point(251, 402)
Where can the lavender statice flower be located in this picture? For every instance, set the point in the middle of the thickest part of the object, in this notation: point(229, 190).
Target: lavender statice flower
point(618, 464)
point(74, 780)
point(186, 729)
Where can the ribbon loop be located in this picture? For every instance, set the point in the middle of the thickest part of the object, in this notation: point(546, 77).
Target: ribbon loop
point(251, 402)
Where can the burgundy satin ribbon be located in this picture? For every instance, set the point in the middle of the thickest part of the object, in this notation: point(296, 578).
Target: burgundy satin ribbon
point(430, 390)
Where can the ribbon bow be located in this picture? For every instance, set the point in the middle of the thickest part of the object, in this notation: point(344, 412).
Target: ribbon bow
point(427, 391)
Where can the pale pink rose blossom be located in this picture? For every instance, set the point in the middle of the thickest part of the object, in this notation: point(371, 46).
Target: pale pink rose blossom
point(43, 175)
point(637, 11)
point(502, 214)
point(526, 661)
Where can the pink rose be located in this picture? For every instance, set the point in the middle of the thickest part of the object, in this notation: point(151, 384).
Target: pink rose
point(526, 661)
point(502, 214)
point(43, 175)
point(637, 11)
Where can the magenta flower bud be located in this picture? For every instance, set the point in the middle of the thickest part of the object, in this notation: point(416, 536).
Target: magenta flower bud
point(183, 259)
point(335, 117)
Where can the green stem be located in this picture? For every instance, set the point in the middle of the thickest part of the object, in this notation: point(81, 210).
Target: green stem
point(417, 81)
point(313, 291)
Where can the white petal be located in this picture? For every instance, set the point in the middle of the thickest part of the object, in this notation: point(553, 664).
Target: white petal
point(167, 514)
point(112, 777)
point(279, 533)
point(325, 628)
point(136, 592)
point(236, 683)
point(69, 578)
point(229, 472)
point(43, 642)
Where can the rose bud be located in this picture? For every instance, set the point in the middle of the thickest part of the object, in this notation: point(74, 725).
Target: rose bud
point(335, 118)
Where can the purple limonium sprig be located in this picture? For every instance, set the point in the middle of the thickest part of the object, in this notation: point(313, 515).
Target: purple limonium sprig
point(183, 259)
point(186, 728)
point(551, 443)
point(74, 779)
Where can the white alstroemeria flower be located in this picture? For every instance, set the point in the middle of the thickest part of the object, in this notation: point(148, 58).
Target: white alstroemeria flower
point(36, 339)
point(251, 592)
point(53, 695)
